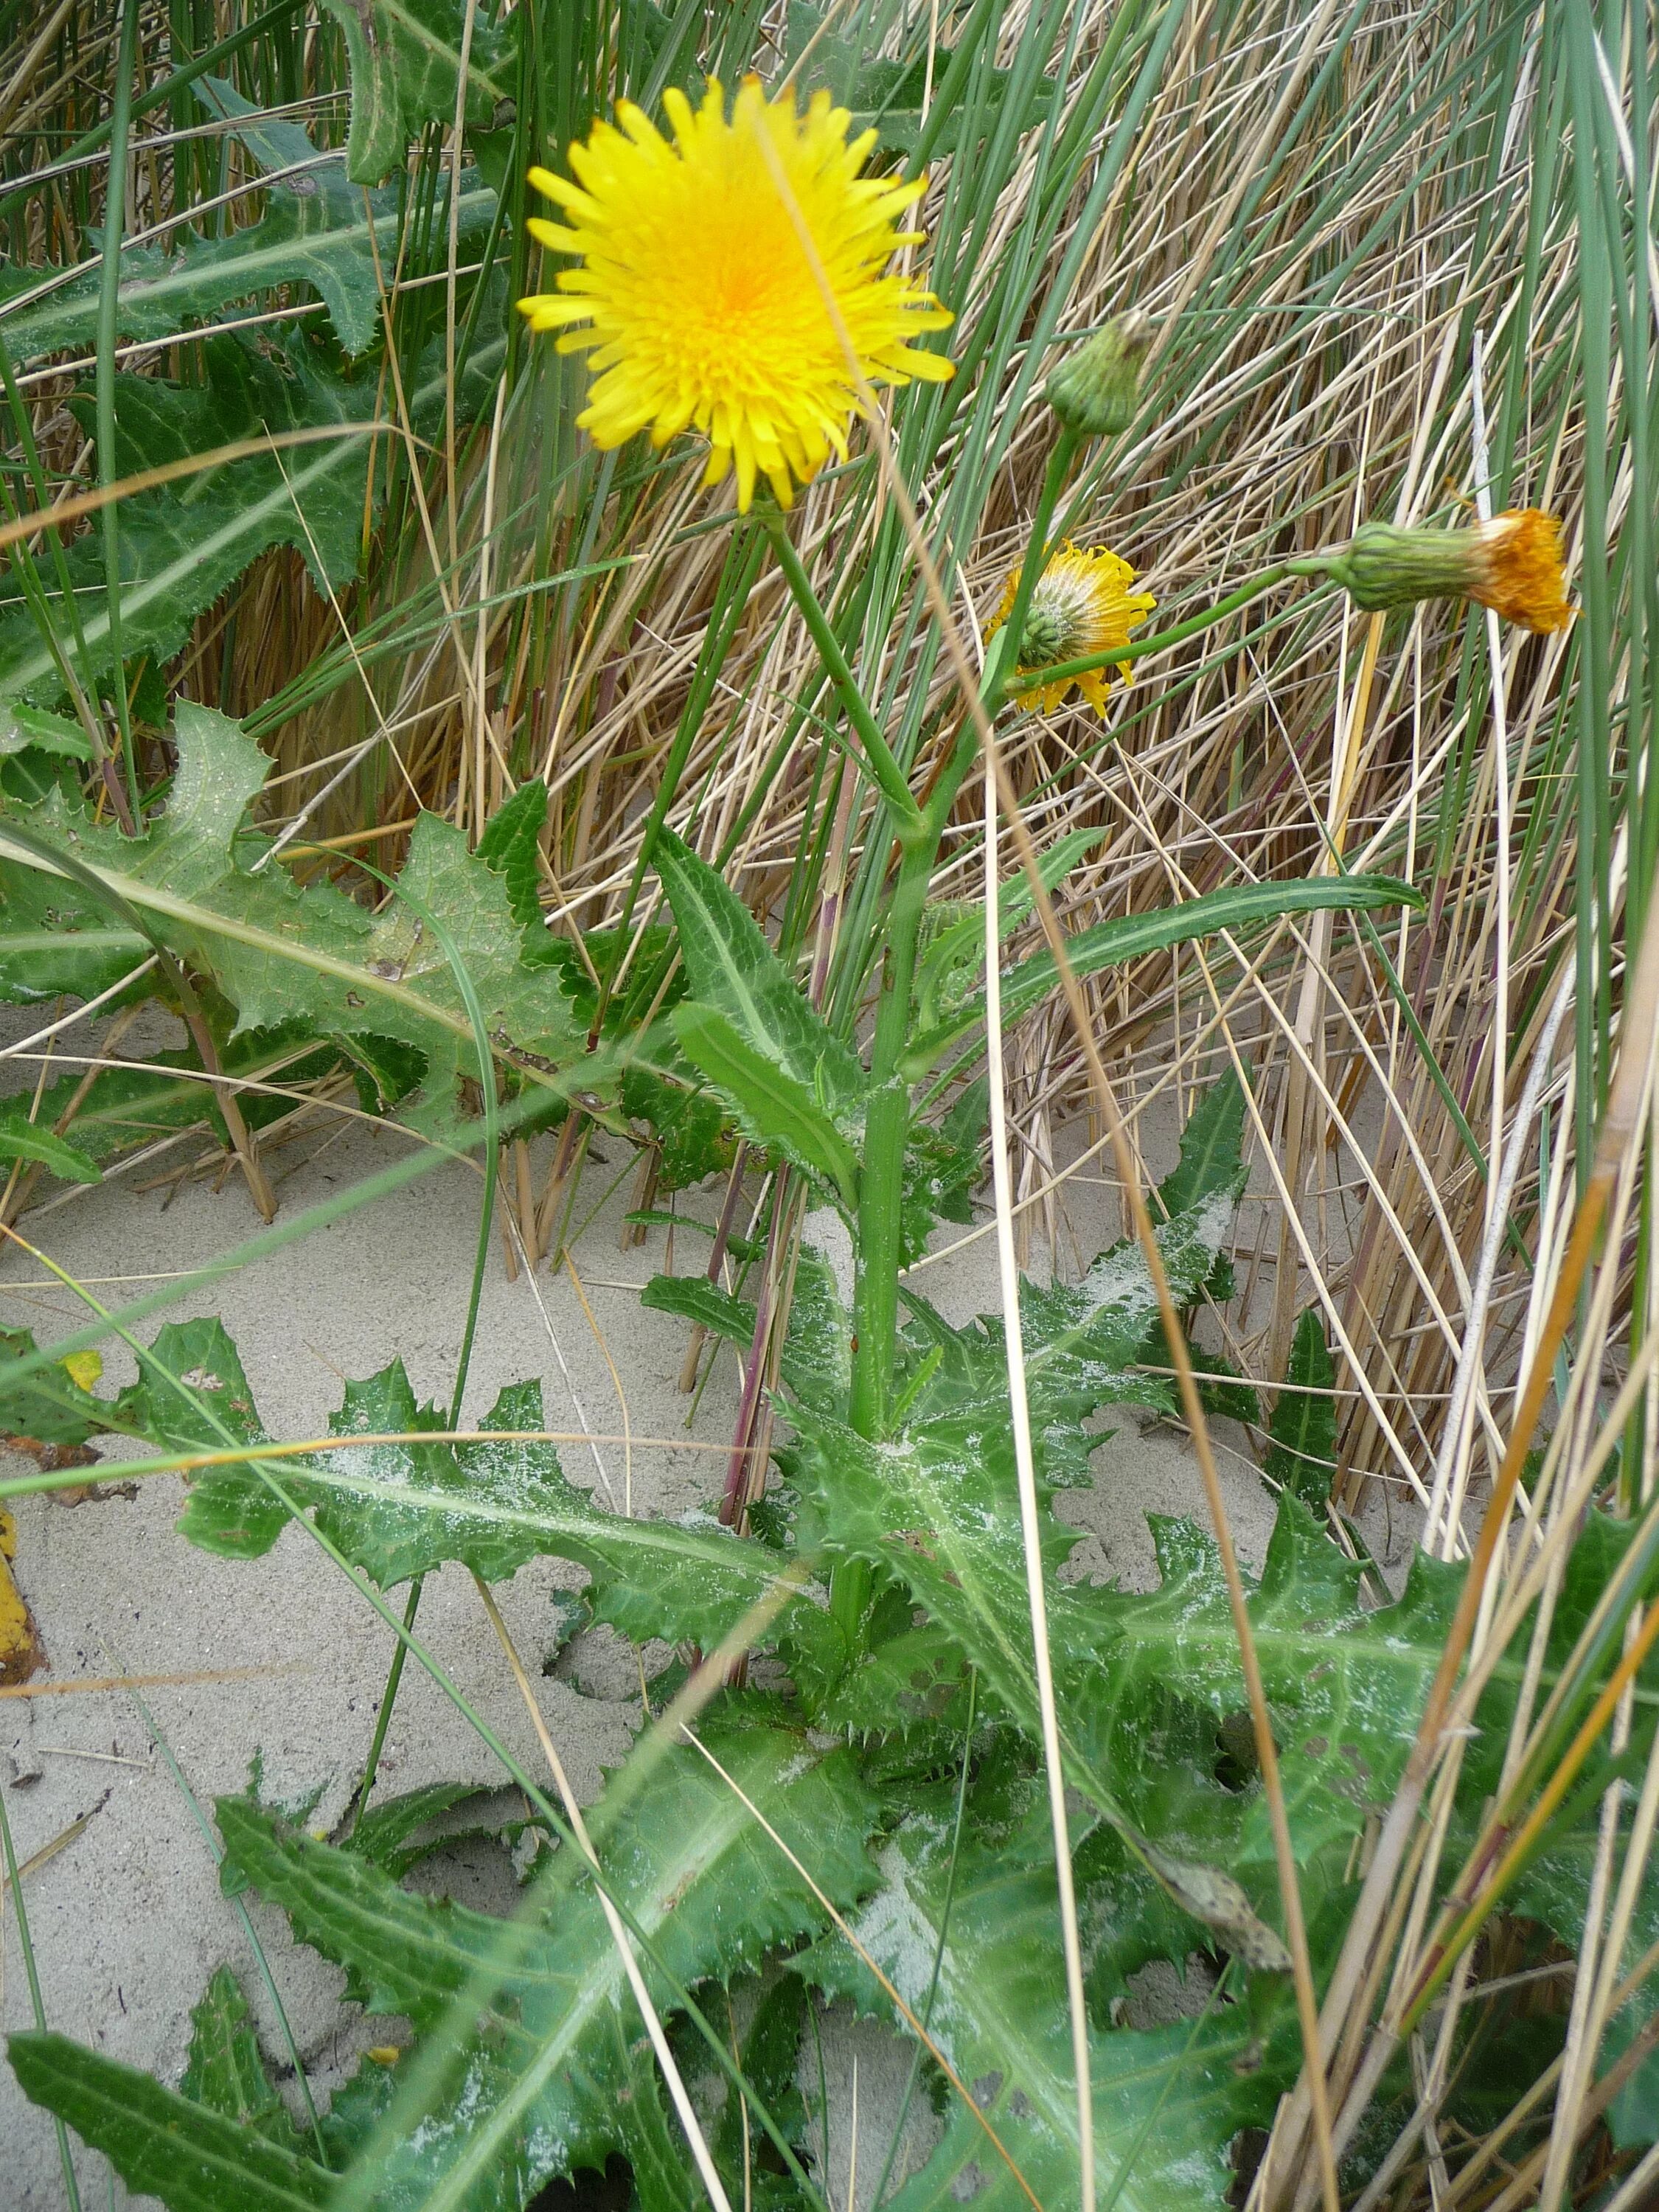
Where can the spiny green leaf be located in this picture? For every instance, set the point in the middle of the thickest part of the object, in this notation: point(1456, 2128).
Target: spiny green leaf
point(735, 971)
point(22, 726)
point(400, 1508)
point(1082, 1341)
point(778, 1112)
point(281, 954)
point(1167, 2103)
point(318, 228)
point(225, 2069)
point(183, 544)
point(162, 2144)
point(405, 58)
point(1301, 1452)
point(1212, 1149)
point(937, 1506)
point(386, 1832)
point(188, 1396)
point(23, 1139)
point(1346, 1686)
point(511, 844)
point(689, 1860)
point(694, 1298)
point(55, 939)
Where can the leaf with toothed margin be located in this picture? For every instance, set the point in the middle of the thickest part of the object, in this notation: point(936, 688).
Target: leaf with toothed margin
point(224, 2069)
point(939, 1510)
point(1167, 2101)
point(772, 1108)
point(554, 2071)
point(406, 68)
point(283, 954)
point(192, 1396)
point(735, 971)
point(1084, 1341)
point(557, 2072)
point(318, 228)
point(401, 1507)
point(1302, 1446)
point(162, 2144)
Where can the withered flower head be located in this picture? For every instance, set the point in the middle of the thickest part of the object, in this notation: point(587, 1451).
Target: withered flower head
point(1512, 564)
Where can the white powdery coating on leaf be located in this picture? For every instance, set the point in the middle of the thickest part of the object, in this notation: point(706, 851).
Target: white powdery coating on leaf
point(904, 1942)
point(1120, 1278)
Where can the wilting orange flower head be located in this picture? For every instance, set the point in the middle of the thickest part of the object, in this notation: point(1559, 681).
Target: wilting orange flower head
point(1512, 564)
point(1521, 574)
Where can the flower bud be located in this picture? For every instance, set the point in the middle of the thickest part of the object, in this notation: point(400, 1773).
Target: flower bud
point(1511, 564)
point(1097, 387)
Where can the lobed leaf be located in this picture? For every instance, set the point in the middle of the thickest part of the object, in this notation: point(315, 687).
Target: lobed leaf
point(733, 970)
point(318, 228)
point(283, 955)
point(1168, 2102)
point(557, 2072)
point(225, 2069)
point(779, 1113)
point(406, 61)
point(161, 2144)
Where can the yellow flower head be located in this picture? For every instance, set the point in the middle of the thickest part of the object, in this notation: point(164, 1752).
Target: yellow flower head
point(1082, 605)
point(700, 305)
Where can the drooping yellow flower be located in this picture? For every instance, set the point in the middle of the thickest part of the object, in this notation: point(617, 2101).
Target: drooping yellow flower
point(1082, 605)
point(1512, 564)
point(702, 307)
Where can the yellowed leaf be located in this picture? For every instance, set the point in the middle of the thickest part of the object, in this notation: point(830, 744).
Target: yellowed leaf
point(20, 1647)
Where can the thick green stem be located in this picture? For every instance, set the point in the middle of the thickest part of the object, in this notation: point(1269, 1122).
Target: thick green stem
point(887, 1119)
point(875, 1293)
point(108, 305)
point(881, 1199)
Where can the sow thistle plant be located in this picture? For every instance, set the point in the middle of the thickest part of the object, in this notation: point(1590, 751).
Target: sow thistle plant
point(871, 1822)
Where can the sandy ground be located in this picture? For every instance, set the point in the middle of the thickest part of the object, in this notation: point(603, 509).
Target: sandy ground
point(109, 1797)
